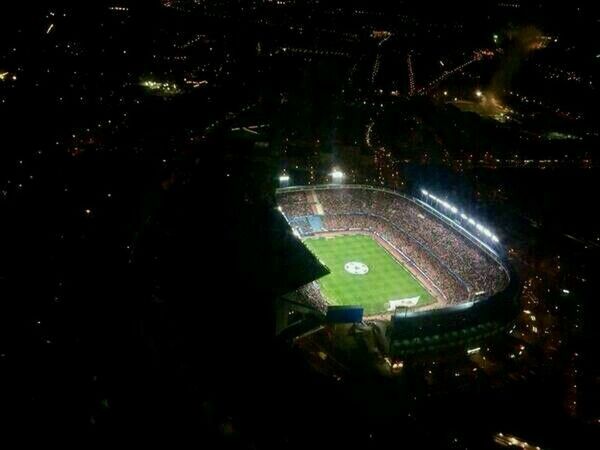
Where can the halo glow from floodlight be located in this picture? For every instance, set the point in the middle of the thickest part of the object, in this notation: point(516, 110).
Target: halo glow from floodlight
point(337, 174)
point(447, 206)
point(284, 178)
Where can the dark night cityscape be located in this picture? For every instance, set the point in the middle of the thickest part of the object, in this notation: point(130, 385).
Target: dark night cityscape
point(300, 224)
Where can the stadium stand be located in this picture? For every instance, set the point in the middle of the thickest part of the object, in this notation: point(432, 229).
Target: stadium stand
point(316, 224)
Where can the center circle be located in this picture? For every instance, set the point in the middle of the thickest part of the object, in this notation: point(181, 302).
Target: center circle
point(356, 268)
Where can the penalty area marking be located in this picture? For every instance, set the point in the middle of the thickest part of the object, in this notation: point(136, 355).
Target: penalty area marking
point(356, 268)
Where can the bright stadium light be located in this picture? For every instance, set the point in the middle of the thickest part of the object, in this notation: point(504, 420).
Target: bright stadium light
point(284, 180)
point(337, 175)
point(449, 207)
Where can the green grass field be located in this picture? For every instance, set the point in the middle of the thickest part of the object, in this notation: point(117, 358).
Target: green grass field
point(387, 279)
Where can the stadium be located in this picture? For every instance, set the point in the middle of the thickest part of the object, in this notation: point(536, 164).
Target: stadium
point(420, 263)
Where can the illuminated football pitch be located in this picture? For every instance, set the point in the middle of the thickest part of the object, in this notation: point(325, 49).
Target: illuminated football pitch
point(364, 273)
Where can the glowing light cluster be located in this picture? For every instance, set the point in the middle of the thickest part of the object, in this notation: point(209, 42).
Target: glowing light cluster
point(477, 56)
point(411, 75)
point(454, 210)
point(162, 87)
point(4, 76)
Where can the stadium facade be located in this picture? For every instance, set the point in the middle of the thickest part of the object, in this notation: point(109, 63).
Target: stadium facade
point(474, 286)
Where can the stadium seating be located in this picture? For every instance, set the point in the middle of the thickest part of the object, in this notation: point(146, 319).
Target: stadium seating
point(316, 224)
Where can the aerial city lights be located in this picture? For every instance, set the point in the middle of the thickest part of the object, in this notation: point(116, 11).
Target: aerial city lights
point(190, 188)
point(163, 88)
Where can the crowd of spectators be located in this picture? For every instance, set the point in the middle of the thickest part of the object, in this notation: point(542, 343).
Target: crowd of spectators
point(311, 294)
point(301, 224)
point(295, 204)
